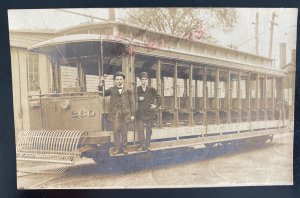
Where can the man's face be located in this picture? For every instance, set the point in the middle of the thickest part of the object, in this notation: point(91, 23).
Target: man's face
point(119, 80)
point(144, 81)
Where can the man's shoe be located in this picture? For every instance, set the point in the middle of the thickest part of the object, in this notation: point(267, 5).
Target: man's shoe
point(117, 151)
point(125, 151)
point(148, 148)
point(148, 143)
point(140, 148)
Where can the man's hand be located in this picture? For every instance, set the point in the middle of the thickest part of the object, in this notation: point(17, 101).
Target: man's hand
point(141, 98)
point(101, 80)
point(101, 83)
point(153, 106)
point(132, 118)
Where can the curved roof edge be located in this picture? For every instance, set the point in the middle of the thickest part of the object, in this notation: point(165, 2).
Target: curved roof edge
point(85, 25)
point(67, 39)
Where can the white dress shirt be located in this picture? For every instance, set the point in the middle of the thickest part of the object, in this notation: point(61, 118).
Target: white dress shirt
point(120, 89)
point(144, 88)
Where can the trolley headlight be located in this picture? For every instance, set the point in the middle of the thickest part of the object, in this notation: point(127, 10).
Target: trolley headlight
point(65, 104)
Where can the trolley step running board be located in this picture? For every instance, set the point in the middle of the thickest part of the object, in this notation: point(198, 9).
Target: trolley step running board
point(47, 151)
point(198, 143)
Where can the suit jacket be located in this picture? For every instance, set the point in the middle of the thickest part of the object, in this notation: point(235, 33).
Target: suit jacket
point(120, 103)
point(151, 96)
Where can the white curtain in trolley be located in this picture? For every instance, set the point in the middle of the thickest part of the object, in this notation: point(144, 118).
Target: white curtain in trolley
point(69, 77)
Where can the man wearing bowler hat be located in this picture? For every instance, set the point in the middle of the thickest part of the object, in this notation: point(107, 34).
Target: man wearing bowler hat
point(148, 101)
point(121, 111)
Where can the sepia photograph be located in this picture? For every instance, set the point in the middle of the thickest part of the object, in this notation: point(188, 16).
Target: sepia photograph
point(131, 98)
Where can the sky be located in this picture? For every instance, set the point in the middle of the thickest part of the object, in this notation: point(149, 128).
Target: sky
point(243, 34)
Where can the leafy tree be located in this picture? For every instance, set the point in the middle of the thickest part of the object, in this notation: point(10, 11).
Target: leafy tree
point(188, 23)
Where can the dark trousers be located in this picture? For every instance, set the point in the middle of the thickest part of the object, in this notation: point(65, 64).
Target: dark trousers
point(141, 127)
point(120, 133)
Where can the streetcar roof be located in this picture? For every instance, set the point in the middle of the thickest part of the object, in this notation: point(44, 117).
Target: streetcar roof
point(47, 46)
point(69, 45)
point(88, 43)
point(150, 30)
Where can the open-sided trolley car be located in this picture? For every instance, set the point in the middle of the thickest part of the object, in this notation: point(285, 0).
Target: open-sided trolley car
point(211, 96)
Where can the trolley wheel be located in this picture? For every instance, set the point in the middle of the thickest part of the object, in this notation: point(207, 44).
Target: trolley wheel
point(100, 157)
point(265, 139)
point(209, 145)
point(228, 146)
point(271, 137)
point(204, 152)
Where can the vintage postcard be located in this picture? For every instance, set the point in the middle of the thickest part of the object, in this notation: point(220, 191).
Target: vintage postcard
point(153, 97)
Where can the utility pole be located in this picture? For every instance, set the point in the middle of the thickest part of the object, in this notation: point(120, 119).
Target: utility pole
point(271, 33)
point(111, 14)
point(256, 32)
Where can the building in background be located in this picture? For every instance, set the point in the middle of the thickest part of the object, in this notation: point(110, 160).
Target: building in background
point(27, 78)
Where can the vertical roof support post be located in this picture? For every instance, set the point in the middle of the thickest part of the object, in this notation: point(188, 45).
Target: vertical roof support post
point(56, 74)
point(266, 98)
point(102, 108)
point(126, 70)
point(217, 94)
point(283, 100)
point(257, 97)
point(248, 96)
point(228, 97)
point(279, 99)
point(132, 69)
point(239, 97)
point(191, 104)
point(80, 74)
point(205, 97)
point(176, 105)
point(159, 90)
point(273, 98)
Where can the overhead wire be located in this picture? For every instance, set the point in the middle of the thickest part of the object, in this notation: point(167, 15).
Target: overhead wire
point(55, 45)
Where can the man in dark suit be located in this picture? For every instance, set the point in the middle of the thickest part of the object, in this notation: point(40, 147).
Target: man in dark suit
point(148, 101)
point(121, 111)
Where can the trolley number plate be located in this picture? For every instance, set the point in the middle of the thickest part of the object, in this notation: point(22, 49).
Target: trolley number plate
point(83, 114)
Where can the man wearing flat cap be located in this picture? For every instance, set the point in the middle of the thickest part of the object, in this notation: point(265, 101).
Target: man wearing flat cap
point(121, 111)
point(148, 101)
